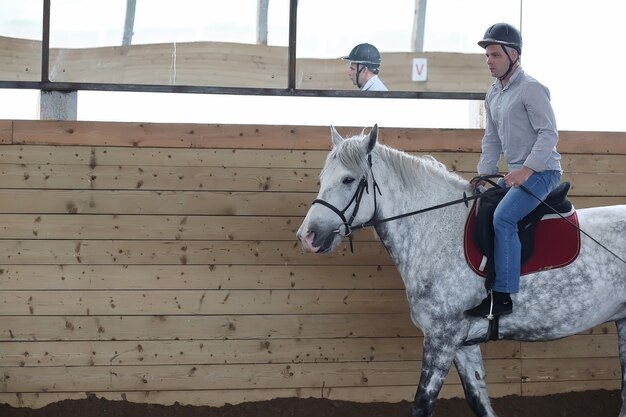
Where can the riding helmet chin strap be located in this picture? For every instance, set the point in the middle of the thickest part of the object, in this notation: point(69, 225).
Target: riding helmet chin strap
point(359, 70)
point(511, 63)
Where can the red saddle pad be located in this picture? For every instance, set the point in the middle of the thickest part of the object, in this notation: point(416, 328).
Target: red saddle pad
point(557, 244)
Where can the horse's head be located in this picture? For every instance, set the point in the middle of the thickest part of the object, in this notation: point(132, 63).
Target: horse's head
point(345, 178)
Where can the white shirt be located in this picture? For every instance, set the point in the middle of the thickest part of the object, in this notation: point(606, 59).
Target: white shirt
point(374, 84)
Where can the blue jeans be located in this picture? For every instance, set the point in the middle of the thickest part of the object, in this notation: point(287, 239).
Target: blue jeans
point(516, 204)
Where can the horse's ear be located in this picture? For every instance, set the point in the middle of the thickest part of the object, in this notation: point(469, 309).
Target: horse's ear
point(337, 139)
point(373, 138)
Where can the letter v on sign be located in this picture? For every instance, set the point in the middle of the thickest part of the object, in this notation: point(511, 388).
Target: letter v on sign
point(420, 69)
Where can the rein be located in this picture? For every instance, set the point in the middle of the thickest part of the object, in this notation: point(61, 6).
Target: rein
point(348, 227)
point(572, 224)
point(413, 213)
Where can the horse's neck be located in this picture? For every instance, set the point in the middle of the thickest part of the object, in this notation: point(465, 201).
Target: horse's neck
point(424, 235)
point(420, 193)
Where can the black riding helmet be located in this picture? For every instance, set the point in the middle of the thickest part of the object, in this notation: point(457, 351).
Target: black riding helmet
point(364, 55)
point(502, 34)
point(505, 35)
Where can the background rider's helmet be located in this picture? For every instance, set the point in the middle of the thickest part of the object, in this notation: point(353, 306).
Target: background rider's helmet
point(365, 54)
point(502, 34)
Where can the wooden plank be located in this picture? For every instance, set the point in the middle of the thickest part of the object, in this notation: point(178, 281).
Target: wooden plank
point(279, 137)
point(565, 369)
point(6, 132)
point(170, 135)
point(574, 164)
point(97, 156)
point(181, 157)
point(198, 63)
point(580, 346)
point(20, 59)
point(176, 277)
point(161, 327)
point(236, 179)
point(155, 202)
point(151, 227)
point(214, 302)
point(219, 398)
point(504, 349)
point(185, 203)
point(251, 158)
point(605, 328)
point(184, 352)
point(182, 252)
point(558, 387)
point(591, 142)
point(590, 163)
point(141, 328)
point(609, 185)
point(158, 178)
point(241, 376)
point(199, 377)
point(180, 352)
point(586, 201)
point(45, 154)
point(589, 184)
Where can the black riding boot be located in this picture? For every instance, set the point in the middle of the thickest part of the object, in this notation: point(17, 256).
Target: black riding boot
point(495, 304)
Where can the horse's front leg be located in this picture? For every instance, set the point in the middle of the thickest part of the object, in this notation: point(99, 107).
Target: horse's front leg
point(469, 364)
point(437, 359)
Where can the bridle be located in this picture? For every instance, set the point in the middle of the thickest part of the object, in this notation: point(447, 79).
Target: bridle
point(346, 227)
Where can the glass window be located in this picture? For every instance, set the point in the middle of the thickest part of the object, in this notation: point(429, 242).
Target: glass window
point(188, 42)
point(20, 40)
point(440, 55)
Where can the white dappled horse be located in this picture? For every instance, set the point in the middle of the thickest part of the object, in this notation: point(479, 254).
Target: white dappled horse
point(428, 253)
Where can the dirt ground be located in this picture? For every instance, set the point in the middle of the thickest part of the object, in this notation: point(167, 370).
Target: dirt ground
point(586, 404)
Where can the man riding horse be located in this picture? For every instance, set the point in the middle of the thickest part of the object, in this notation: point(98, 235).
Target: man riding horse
point(521, 125)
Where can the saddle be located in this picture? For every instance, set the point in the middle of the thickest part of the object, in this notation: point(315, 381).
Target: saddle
point(548, 240)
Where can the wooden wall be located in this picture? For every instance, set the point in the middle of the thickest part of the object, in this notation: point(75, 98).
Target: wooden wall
point(157, 263)
point(231, 65)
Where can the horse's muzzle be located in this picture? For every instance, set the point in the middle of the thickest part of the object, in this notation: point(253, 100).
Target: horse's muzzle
point(306, 242)
point(312, 242)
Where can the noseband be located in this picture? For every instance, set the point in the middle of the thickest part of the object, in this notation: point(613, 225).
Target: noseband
point(345, 229)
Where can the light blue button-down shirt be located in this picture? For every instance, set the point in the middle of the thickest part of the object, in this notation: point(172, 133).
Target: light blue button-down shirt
point(521, 125)
point(374, 84)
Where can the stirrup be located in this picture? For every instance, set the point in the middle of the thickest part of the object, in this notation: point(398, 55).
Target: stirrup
point(490, 316)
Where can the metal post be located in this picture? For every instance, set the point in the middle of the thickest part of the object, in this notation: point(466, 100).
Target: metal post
point(419, 21)
point(45, 42)
point(53, 105)
point(293, 19)
point(261, 21)
point(129, 23)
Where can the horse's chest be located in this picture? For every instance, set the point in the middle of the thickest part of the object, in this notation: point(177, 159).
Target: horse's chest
point(425, 315)
point(427, 303)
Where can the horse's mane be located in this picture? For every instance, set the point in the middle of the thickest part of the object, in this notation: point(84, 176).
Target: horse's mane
point(352, 155)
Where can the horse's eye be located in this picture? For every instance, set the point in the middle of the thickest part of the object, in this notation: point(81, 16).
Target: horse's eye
point(348, 180)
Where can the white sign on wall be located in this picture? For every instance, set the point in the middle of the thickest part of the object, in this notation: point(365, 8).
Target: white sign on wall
point(420, 69)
